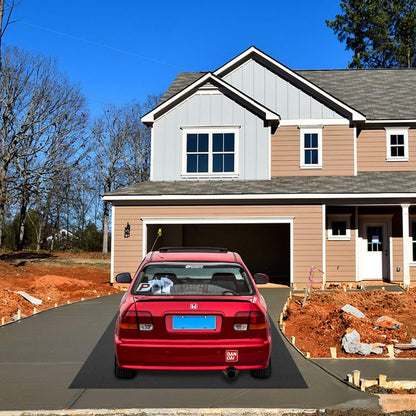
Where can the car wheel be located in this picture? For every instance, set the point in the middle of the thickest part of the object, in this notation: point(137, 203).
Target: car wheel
point(263, 372)
point(122, 372)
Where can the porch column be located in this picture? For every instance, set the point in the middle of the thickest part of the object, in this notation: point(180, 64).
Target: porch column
point(406, 244)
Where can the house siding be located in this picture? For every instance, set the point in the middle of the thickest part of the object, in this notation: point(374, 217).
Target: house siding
point(216, 110)
point(276, 93)
point(372, 152)
point(340, 259)
point(307, 230)
point(337, 152)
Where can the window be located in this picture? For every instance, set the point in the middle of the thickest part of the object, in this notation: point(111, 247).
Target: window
point(210, 152)
point(414, 239)
point(397, 145)
point(311, 148)
point(339, 227)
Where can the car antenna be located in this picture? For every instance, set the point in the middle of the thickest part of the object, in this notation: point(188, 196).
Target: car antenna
point(159, 234)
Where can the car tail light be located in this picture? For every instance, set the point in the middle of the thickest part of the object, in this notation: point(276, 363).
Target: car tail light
point(145, 321)
point(136, 320)
point(244, 321)
point(241, 320)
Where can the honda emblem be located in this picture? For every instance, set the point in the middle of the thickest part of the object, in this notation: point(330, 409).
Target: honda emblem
point(194, 306)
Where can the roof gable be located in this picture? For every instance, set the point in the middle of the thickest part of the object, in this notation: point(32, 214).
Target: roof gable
point(293, 77)
point(200, 82)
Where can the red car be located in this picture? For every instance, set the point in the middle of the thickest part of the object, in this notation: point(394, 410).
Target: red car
point(192, 309)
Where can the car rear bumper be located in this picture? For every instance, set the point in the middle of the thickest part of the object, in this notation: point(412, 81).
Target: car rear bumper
point(188, 354)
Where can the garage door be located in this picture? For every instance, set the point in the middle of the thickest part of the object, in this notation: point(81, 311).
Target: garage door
point(265, 248)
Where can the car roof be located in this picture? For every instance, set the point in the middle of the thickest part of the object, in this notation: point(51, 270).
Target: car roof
point(193, 254)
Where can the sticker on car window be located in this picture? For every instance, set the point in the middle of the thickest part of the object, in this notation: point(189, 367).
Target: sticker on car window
point(144, 287)
point(194, 266)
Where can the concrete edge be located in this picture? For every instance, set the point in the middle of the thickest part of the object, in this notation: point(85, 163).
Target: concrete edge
point(161, 412)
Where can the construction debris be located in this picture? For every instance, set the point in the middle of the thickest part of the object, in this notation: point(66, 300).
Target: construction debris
point(29, 298)
point(352, 345)
point(352, 310)
point(387, 322)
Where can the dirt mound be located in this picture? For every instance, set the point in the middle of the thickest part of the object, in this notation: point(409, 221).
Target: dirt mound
point(322, 317)
point(63, 283)
point(53, 282)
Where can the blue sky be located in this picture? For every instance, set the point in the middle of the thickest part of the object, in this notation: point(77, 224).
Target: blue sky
point(120, 51)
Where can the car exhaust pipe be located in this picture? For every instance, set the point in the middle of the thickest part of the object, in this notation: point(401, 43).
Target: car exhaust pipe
point(231, 372)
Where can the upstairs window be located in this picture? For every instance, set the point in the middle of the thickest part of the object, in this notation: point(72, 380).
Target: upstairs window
point(311, 148)
point(397, 145)
point(210, 152)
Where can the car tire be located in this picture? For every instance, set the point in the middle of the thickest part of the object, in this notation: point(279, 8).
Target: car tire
point(263, 372)
point(122, 372)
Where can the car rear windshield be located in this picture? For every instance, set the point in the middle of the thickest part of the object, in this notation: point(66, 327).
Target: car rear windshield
point(193, 279)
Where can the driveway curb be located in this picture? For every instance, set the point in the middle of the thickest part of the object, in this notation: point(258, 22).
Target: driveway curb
point(161, 412)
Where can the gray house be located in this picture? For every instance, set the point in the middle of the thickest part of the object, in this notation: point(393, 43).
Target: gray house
point(292, 169)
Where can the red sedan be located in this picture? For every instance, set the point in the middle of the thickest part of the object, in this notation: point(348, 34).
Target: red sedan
point(192, 309)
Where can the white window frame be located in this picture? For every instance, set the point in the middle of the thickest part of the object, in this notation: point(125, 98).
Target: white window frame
point(304, 131)
point(339, 218)
point(405, 133)
point(210, 131)
point(412, 240)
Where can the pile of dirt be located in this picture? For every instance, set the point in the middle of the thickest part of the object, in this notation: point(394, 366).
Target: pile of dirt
point(54, 281)
point(321, 324)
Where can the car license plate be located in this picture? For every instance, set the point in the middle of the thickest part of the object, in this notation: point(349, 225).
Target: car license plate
point(193, 322)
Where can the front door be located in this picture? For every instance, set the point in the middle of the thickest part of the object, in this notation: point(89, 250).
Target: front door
point(375, 251)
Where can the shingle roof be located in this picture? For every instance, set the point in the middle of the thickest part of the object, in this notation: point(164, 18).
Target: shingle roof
point(363, 183)
point(377, 93)
point(180, 82)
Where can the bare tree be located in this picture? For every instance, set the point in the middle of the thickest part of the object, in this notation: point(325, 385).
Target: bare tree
point(122, 151)
point(42, 121)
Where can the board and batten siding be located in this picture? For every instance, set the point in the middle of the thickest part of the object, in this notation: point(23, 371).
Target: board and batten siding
point(372, 152)
point(210, 109)
point(276, 93)
point(337, 152)
point(307, 231)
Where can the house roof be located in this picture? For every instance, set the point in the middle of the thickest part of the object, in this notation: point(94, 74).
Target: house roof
point(365, 183)
point(380, 94)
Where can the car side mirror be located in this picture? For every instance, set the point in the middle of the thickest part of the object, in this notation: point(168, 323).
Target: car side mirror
point(261, 279)
point(123, 278)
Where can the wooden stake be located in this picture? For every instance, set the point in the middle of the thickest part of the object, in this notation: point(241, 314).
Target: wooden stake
point(350, 286)
point(56, 305)
point(3, 321)
point(68, 302)
point(356, 377)
point(82, 299)
point(19, 314)
point(293, 340)
point(308, 355)
point(390, 350)
point(345, 288)
point(35, 311)
point(382, 379)
point(281, 319)
point(284, 327)
point(333, 352)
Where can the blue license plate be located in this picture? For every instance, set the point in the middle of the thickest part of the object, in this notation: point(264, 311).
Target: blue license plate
point(193, 322)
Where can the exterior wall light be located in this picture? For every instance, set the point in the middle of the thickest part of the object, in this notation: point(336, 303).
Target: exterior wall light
point(127, 231)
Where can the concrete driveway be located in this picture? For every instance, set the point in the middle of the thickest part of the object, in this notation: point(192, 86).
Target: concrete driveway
point(63, 359)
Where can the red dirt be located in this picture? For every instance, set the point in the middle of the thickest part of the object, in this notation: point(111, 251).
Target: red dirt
point(51, 280)
point(321, 324)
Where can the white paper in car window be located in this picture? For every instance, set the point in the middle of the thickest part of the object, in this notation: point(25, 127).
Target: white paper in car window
point(156, 286)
